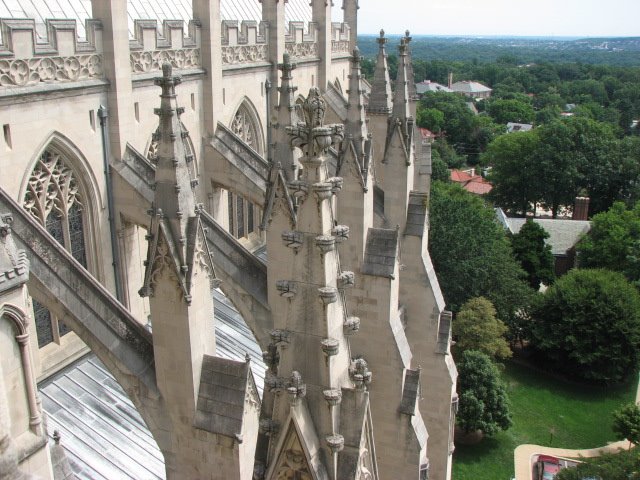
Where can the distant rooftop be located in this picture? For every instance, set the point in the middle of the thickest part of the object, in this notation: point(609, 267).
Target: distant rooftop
point(80, 10)
point(428, 86)
point(467, 86)
point(518, 127)
point(563, 234)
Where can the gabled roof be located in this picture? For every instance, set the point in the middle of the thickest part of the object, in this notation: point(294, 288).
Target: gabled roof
point(470, 182)
point(563, 234)
point(428, 86)
point(467, 86)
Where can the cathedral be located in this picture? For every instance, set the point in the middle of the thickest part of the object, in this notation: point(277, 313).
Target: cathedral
point(157, 154)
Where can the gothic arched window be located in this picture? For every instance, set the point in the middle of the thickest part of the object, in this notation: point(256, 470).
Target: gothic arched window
point(245, 126)
point(55, 199)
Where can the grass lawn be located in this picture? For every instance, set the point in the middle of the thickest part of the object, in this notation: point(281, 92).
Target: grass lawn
point(579, 417)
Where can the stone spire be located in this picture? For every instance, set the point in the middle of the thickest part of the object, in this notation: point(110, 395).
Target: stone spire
point(380, 98)
point(285, 167)
point(287, 115)
point(401, 108)
point(350, 9)
point(174, 210)
point(357, 135)
point(411, 79)
point(310, 365)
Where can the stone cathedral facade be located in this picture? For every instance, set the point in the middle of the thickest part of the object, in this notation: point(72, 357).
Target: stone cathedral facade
point(148, 150)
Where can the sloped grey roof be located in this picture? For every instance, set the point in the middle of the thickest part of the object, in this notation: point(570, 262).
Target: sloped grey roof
point(410, 392)
point(518, 127)
point(429, 86)
point(380, 252)
point(563, 234)
point(80, 10)
point(102, 433)
point(416, 214)
point(221, 396)
point(467, 86)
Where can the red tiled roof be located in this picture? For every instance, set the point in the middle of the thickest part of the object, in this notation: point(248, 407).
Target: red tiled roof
point(471, 183)
point(459, 176)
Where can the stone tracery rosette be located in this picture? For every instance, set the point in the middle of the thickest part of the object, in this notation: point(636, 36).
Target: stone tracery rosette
point(243, 54)
point(32, 71)
point(184, 58)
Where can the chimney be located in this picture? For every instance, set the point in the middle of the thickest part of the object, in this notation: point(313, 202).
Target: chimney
point(450, 79)
point(581, 209)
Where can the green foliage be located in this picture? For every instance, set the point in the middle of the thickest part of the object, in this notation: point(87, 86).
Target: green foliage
point(471, 253)
point(623, 465)
point(614, 242)
point(626, 423)
point(431, 118)
point(534, 254)
point(517, 182)
point(587, 325)
point(483, 403)
point(476, 327)
point(504, 111)
point(447, 154)
point(439, 170)
point(556, 161)
point(540, 404)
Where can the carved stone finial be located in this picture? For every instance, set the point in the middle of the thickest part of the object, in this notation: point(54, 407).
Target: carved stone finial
point(56, 437)
point(287, 66)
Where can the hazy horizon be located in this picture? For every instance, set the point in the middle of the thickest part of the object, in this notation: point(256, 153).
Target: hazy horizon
point(501, 18)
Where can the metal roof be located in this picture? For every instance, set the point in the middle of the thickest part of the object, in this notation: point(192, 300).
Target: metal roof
point(102, 433)
point(80, 10)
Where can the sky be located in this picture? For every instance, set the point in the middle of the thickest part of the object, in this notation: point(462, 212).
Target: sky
point(574, 18)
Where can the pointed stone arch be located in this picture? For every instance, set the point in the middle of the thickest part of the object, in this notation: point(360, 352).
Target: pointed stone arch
point(245, 123)
point(18, 318)
point(292, 458)
point(338, 85)
point(61, 192)
point(61, 167)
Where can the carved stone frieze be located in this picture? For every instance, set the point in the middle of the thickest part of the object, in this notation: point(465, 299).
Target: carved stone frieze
point(31, 71)
point(143, 62)
point(302, 50)
point(241, 54)
point(340, 46)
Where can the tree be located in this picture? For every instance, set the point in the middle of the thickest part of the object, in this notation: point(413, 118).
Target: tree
point(558, 164)
point(483, 403)
point(471, 253)
point(622, 465)
point(626, 423)
point(517, 180)
point(504, 111)
point(431, 118)
point(534, 254)
point(587, 325)
point(614, 242)
point(476, 327)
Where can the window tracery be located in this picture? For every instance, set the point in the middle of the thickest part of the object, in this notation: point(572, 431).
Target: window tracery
point(244, 126)
point(55, 199)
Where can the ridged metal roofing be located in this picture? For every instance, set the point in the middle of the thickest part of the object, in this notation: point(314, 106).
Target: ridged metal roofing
point(80, 10)
point(102, 433)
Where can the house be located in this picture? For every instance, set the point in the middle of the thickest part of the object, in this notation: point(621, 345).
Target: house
point(564, 235)
point(470, 181)
point(427, 86)
point(518, 127)
point(471, 89)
